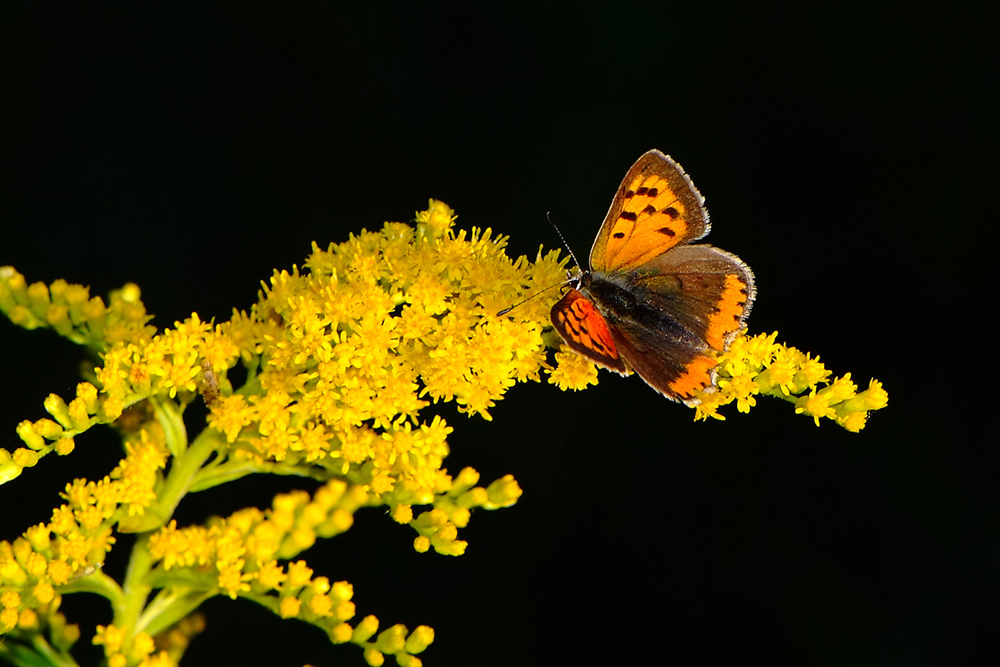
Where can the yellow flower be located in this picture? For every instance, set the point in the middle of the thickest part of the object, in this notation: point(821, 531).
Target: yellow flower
point(437, 220)
point(572, 372)
point(110, 637)
point(757, 365)
point(71, 312)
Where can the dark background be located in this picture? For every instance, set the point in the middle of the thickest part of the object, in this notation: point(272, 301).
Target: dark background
point(845, 150)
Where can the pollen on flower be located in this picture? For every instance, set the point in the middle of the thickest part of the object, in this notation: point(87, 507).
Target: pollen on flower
point(59, 571)
point(320, 605)
point(64, 446)
point(231, 580)
point(341, 633)
point(8, 619)
point(289, 607)
point(402, 514)
point(43, 592)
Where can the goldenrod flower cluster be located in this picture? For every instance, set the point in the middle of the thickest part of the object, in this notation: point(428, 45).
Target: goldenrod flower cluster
point(73, 313)
point(339, 360)
point(241, 555)
point(757, 365)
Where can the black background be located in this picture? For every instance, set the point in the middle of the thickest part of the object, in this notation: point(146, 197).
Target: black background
point(845, 152)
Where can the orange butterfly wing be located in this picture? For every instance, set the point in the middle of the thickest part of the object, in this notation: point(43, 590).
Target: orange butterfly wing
point(656, 208)
point(689, 303)
point(585, 331)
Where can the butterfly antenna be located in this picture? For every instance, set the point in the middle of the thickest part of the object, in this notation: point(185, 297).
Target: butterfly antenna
point(562, 238)
point(525, 300)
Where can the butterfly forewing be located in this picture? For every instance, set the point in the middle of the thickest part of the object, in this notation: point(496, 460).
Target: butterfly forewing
point(585, 331)
point(656, 208)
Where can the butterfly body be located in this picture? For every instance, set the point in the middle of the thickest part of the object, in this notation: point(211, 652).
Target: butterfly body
point(652, 302)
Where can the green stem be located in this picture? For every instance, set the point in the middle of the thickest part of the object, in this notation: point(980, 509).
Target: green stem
point(206, 478)
point(136, 587)
point(33, 652)
point(56, 658)
point(97, 583)
point(183, 469)
point(170, 606)
point(172, 421)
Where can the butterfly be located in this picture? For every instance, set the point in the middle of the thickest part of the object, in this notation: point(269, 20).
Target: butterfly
point(652, 302)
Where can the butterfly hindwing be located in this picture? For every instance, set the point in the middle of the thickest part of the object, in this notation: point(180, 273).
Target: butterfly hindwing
point(676, 370)
point(707, 290)
point(671, 317)
point(585, 331)
point(656, 208)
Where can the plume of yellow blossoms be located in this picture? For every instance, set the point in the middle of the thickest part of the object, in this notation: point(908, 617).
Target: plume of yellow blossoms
point(339, 361)
point(757, 365)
